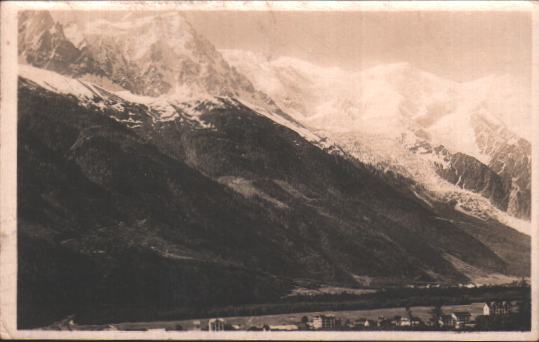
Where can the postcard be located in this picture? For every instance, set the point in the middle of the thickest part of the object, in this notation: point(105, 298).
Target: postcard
point(269, 170)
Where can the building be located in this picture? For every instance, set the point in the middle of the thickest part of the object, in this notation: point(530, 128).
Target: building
point(497, 308)
point(396, 321)
point(460, 319)
point(363, 322)
point(457, 319)
point(324, 322)
point(404, 322)
point(316, 323)
point(446, 321)
point(196, 325)
point(216, 324)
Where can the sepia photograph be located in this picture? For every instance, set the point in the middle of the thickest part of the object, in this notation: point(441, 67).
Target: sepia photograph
point(292, 170)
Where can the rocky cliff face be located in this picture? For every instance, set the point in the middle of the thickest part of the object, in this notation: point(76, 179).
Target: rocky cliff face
point(42, 43)
point(468, 173)
point(155, 56)
point(511, 160)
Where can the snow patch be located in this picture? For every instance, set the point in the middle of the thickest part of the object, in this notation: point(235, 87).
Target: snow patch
point(55, 82)
point(248, 190)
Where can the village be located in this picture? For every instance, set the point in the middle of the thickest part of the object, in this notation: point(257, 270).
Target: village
point(415, 308)
point(455, 320)
point(472, 317)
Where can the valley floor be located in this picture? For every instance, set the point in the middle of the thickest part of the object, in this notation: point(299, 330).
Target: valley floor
point(383, 310)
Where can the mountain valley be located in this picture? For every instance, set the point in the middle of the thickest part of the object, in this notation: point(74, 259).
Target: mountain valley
point(164, 176)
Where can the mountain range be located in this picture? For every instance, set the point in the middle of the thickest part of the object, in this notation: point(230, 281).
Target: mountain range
point(157, 173)
point(452, 126)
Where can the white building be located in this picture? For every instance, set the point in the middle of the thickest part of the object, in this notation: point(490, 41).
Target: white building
point(461, 318)
point(497, 308)
point(216, 324)
point(324, 322)
point(405, 322)
point(362, 322)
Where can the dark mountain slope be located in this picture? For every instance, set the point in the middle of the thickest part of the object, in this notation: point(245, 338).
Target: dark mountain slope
point(169, 214)
point(96, 204)
point(250, 146)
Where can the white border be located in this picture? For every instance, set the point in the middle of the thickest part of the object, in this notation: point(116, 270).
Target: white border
point(283, 5)
point(8, 174)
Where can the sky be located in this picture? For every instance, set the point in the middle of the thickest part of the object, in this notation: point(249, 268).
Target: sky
point(458, 45)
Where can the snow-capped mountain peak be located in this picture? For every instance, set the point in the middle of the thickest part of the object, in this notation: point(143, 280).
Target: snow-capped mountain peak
point(156, 55)
point(162, 62)
point(159, 56)
point(391, 109)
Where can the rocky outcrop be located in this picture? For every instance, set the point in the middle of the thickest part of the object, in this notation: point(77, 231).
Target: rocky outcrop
point(510, 158)
point(470, 174)
point(42, 43)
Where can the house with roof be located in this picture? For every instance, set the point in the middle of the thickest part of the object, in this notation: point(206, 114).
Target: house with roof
point(324, 322)
point(446, 321)
point(457, 319)
point(363, 322)
point(404, 322)
point(461, 318)
point(216, 324)
point(497, 308)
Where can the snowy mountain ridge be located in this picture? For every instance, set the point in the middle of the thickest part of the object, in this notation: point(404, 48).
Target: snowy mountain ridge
point(163, 56)
point(161, 109)
point(160, 61)
point(412, 93)
point(391, 109)
point(366, 150)
point(159, 56)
